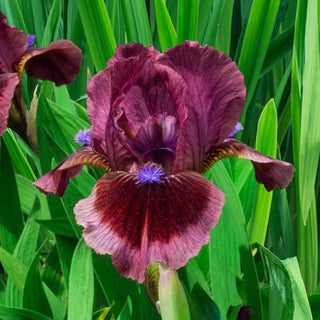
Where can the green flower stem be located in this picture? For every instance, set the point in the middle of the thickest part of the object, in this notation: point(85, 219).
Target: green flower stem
point(173, 300)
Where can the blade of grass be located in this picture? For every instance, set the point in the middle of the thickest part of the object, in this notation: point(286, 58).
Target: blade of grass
point(255, 45)
point(142, 21)
point(302, 308)
point(11, 219)
point(167, 33)
point(81, 284)
point(98, 30)
point(188, 11)
point(213, 24)
point(223, 37)
point(310, 129)
point(267, 144)
point(130, 26)
point(52, 25)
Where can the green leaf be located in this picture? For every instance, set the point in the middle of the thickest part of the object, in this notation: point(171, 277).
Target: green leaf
point(255, 44)
point(34, 297)
point(310, 111)
point(126, 312)
point(314, 300)
point(228, 247)
point(267, 144)
point(51, 29)
point(188, 11)
point(167, 33)
point(130, 25)
point(302, 308)
point(142, 22)
point(98, 30)
point(7, 313)
point(213, 24)
point(59, 225)
point(203, 307)
point(278, 48)
point(81, 284)
point(279, 304)
point(15, 270)
point(11, 220)
point(173, 300)
point(19, 161)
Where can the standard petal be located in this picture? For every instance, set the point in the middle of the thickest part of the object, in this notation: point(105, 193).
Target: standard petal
point(56, 181)
point(216, 95)
point(122, 97)
point(268, 171)
point(13, 43)
point(138, 223)
point(59, 62)
point(8, 83)
point(131, 51)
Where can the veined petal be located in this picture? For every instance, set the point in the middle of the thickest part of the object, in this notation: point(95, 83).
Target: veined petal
point(131, 51)
point(13, 43)
point(216, 95)
point(59, 62)
point(8, 83)
point(268, 171)
point(138, 223)
point(56, 181)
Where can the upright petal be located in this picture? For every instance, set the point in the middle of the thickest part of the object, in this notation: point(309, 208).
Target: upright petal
point(138, 223)
point(216, 95)
point(59, 62)
point(123, 97)
point(268, 171)
point(8, 83)
point(56, 181)
point(13, 43)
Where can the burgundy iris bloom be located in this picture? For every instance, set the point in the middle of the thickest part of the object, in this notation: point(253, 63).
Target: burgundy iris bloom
point(158, 122)
point(59, 62)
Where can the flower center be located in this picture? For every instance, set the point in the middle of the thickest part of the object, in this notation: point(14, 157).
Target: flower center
point(150, 173)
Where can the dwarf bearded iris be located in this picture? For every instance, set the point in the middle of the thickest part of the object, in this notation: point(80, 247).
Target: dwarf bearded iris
point(159, 120)
point(59, 62)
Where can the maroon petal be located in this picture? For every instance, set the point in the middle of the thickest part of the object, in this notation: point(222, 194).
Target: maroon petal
point(138, 223)
point(131, 51)
point(56, 181)
point(216, 95)
point(124, 96)
point(59, 62)
point(13, 43)
point(268, 171)
point(8, 83)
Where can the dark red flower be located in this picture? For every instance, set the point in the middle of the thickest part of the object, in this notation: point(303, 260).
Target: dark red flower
point(59, 62)
point(158, 122)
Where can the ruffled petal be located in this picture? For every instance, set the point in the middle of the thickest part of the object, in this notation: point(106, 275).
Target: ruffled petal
point(8, 83)
point(124, 96)
point(13, 43)
point(138, 223)
point(268, 171)
point(59, 62)
point(56, 181)
point(216, 95)
point(131, 51)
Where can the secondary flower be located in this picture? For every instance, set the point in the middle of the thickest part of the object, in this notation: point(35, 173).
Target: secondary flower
point(59, 62)
point(159, 120)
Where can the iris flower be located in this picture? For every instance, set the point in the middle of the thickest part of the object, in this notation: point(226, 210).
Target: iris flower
point(59, 62)
point(159, 120)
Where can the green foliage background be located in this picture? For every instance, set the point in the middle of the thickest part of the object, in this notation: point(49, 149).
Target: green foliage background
point(264, 251)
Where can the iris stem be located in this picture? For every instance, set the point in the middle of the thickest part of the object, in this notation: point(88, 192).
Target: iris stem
point(173, 300)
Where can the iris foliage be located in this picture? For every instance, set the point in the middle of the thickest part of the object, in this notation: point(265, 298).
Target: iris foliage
point(264, 251)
